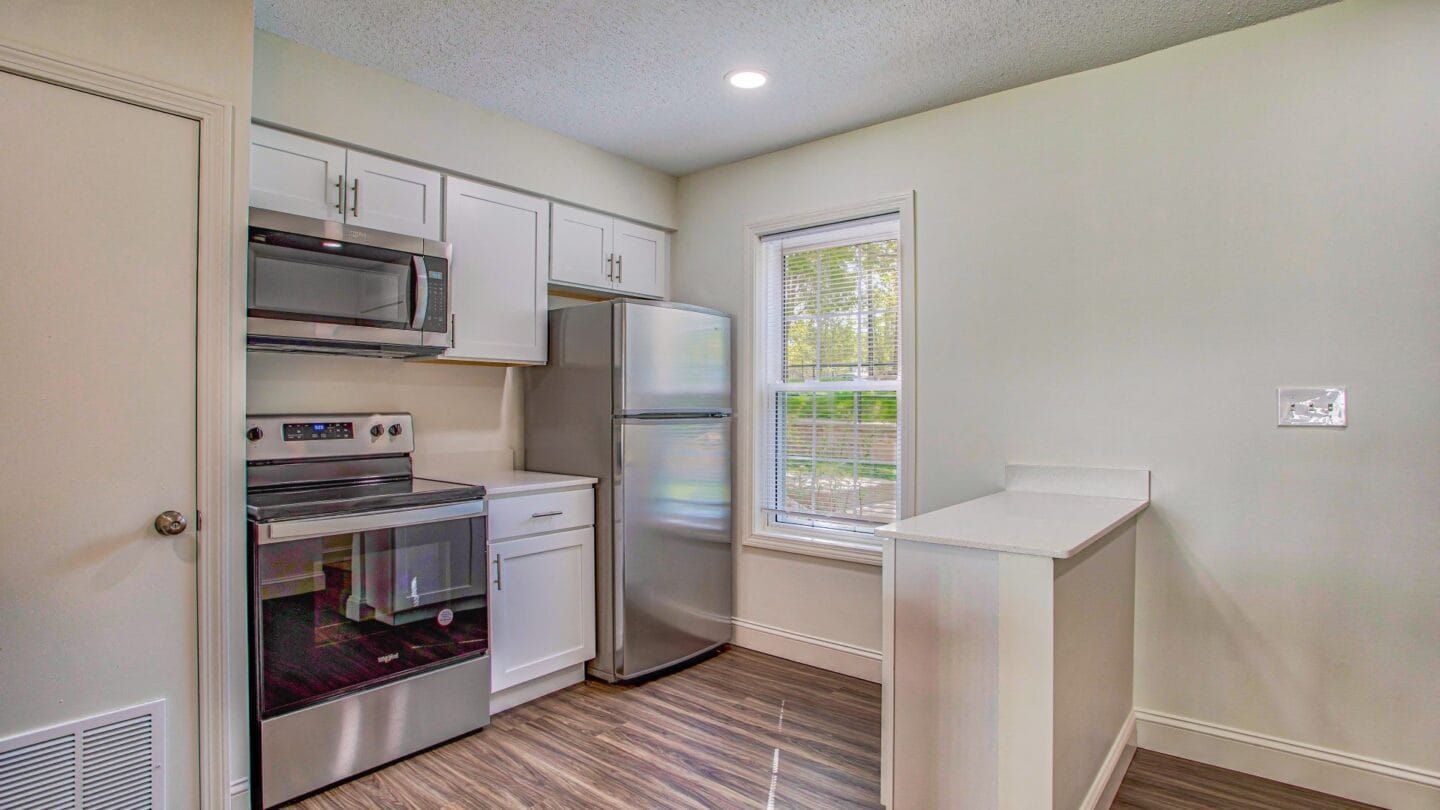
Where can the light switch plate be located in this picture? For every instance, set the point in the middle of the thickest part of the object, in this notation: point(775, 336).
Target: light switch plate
point(1311, 407)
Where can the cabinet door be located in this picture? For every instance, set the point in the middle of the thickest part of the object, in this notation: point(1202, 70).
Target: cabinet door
point(581, 244)
point(498, 268)
point(388, 195)
point(296, 175)
point(642, 258)
point(542, 605)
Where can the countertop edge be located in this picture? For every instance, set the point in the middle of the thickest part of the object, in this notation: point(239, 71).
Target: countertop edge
point(570, 482)
point(1055, 554)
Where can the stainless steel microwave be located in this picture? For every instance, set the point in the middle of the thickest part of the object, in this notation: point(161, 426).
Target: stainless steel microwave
point(325, 287)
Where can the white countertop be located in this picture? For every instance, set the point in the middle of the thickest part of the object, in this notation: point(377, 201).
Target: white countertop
point(1022, 521)
point(463, 470)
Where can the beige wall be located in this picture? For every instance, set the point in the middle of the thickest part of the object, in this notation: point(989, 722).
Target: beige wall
point(304, 89)
point(458, 408)
point(204, 48)
point(1117, 268)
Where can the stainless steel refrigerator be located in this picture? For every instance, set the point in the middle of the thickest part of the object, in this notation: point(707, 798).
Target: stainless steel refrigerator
point(638, 395)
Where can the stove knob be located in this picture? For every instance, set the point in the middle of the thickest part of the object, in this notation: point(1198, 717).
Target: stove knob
point(395, 429)
point(377, 430)
point(254, 434)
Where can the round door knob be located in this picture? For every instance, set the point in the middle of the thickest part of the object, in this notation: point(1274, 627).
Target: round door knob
point(170, 522)
point(254, 434)
point(377, 430)
point(395, 429)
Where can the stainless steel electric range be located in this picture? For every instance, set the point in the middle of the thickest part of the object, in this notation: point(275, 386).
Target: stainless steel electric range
point(367, 601)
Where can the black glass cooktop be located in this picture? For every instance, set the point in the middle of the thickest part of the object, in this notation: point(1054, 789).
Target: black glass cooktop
point(355, 498)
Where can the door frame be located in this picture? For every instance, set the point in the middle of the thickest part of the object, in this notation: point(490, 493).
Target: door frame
point(219, 358)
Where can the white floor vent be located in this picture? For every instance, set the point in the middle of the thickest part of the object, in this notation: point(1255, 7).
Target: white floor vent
point(112, 761)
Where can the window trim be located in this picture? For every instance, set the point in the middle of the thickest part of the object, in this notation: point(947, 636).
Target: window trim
point(755, 528)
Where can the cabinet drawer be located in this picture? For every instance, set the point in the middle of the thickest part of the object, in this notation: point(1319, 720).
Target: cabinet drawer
point(516, 515)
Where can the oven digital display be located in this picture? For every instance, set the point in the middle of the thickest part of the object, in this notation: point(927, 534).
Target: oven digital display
point(311, 431)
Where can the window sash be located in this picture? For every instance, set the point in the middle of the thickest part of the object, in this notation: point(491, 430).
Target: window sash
point(773, 385)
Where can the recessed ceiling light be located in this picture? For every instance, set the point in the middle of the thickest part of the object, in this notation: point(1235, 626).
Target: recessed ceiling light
point(746, 79)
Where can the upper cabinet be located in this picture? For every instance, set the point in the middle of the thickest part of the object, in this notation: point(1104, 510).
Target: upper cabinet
point(388, 195)
point(499, 263)
point(296, 175)
point(600, 252)
point(582, 247)
point(299, 175)
point(642, 258)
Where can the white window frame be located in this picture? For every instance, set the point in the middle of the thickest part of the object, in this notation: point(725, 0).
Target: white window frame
point(757, 528)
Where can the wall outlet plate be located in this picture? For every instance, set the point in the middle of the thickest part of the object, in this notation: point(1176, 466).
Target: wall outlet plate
point(1311, 407)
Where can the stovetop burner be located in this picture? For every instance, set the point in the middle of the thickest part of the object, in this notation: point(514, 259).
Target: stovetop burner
point(355, 498)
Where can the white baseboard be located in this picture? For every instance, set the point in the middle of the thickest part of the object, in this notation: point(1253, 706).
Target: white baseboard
point(1363, 779)
point(835, 656)
point(543, 685)
point(1112, 769)
point(240, 794)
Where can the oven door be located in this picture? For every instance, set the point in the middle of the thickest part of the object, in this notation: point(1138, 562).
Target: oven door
point(343, 603)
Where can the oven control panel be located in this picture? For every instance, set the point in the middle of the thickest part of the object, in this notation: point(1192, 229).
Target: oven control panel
point(315, 431)
point(284, 436)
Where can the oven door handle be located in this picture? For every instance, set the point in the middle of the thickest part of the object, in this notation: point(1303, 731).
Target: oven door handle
point(422, 292)
point(283, 531)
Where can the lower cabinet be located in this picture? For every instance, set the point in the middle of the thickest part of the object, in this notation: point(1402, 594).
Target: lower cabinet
point(542, 609)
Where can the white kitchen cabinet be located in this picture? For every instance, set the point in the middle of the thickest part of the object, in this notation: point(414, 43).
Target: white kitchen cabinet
point(600, 252)
point(312, 178)
point(388, 195)
point(498, 269)
point(542, 605)
point(641, 260)
point(296, 175)
point(581, 247)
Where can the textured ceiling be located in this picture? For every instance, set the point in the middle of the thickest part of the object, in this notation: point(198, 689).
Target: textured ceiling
point(644, 78)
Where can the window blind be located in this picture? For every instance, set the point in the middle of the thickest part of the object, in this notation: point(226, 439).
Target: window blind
point(832, 375)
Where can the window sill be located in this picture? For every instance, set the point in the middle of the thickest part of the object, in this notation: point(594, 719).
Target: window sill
point(824, 547)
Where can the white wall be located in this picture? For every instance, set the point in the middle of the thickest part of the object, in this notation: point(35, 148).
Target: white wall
point(1117, 268)
point(305, 89)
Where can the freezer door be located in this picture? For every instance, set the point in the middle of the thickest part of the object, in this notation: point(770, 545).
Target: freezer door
point(671, 359)
point(672, 541)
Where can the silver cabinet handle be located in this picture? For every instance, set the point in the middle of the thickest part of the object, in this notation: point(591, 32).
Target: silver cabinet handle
point(610, 266)
point(619, 268)
point(340, 194)
point(355, 197)
point(547, 514)
point(499, 579)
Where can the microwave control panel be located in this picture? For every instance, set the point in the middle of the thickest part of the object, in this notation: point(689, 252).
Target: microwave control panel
point(435, 314)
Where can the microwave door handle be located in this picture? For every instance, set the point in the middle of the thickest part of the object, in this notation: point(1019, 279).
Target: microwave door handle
point(422, 292)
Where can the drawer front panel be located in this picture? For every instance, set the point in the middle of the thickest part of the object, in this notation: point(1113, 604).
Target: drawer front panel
point(519, 515)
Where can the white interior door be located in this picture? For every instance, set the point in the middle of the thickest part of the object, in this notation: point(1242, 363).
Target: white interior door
point(296, 175)
point(498, 272)
point(580, 246)
point(388, 195)
point(98, 234)
point(641, 255)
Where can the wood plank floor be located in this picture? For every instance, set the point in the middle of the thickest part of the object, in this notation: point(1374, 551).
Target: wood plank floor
point(738, 730)
point(1158, 781)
